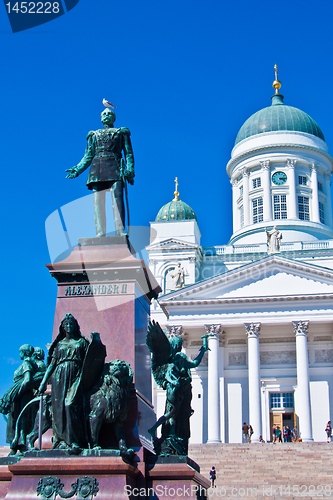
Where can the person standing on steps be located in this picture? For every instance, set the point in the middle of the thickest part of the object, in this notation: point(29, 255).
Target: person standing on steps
point(328, 431)
point(212, 476)
point(250, 432)
point(245, 430)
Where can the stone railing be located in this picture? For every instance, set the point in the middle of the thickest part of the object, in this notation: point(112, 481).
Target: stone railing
point(262, 248)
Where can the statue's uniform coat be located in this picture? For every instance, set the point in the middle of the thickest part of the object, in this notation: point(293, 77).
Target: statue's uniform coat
point(103, 153)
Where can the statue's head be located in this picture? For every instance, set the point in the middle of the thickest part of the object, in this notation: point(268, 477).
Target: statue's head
point(108, 116)
point(69, 325)
point(26, 351)
point(176, 344)
point(121, 370)
point(75, 333)
point(39, 353)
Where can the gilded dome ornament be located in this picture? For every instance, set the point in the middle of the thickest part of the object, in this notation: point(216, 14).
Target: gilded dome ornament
point(276, 84)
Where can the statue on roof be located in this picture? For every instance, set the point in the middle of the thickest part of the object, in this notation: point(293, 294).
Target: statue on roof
point(273, 240)
point(108, 170)
point(178, 276)
point(172, 371)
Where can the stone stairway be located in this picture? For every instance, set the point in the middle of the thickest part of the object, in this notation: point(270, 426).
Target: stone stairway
point(267, 471)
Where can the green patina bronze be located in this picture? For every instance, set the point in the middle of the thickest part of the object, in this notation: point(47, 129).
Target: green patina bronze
point(175, 210)
point(171, 370)
point(26, 378)
point(64, 369)
point(85, 392)
point(108, 170)
point(278, 117)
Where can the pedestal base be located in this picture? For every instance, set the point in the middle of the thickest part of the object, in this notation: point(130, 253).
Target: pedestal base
point(173, 477)
point(100, 478)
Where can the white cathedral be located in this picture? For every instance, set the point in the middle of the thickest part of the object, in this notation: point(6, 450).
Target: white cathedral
point(265, 299)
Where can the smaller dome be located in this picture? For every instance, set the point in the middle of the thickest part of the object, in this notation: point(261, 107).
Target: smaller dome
point(175, 210)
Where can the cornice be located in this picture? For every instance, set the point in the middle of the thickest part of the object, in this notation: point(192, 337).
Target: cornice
point(247, 300)
point(176, 244)
point(251, 152)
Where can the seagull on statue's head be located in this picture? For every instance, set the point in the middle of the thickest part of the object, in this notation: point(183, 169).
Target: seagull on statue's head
point(108, 104)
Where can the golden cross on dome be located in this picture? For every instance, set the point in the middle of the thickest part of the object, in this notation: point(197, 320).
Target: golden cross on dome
point(276, 83)
point(176, 192)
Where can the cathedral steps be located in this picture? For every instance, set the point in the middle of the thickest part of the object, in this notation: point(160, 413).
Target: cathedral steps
point(267, 470)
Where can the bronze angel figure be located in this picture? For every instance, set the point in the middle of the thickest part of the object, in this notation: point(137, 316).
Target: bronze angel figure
point(172, 371)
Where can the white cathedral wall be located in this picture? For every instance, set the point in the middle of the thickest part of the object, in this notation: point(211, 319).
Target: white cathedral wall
point(234, 416)
point(234, 402)
point(198, 399)
point(185, 230)
point(320, 409)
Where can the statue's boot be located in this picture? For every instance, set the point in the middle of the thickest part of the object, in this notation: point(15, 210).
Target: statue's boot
point(117, 196)
point(99, 212)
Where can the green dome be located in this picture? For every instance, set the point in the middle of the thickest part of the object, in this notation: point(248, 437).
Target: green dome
point(175, 210)
point(276, 117)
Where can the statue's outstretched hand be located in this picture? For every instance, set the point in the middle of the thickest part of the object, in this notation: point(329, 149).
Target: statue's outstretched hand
point(129, 175)
point(72, 173)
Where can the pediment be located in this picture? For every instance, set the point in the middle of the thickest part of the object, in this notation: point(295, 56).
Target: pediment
point(170, 244)
point(273, 276)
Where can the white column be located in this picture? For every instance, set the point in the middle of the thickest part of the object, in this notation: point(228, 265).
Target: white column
point(292, 205)
point(303, 380)
point(246, 200)
point(266, 184)
point(252, 330)
point(315, 198)
point(235, 209)
point(214, 434)
point(328, 207)
point(222, 393)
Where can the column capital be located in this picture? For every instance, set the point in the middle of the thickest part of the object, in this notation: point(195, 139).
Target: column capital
point(252, 329)
point(301, 328)
point(246, 172)
point(213, 330)
point(266, 165)
point(233, 181)
point(174, 330)
point(313, 167)
point(291, 163)
point(177, 331)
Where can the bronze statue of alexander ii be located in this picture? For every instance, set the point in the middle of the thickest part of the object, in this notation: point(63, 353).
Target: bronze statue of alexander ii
point(108, 170)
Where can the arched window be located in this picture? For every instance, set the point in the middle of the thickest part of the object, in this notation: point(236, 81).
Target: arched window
point(168, 280)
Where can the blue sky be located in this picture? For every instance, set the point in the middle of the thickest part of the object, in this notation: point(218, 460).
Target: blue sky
point(184, 76)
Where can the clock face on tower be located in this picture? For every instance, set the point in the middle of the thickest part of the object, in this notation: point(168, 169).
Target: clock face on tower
point(279, 178)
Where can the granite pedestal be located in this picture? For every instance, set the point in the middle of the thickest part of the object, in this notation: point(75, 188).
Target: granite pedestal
point(109, 291)
point(175, 477)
